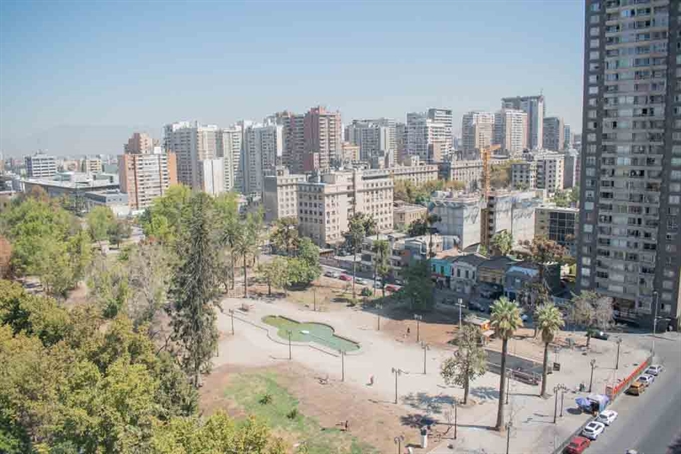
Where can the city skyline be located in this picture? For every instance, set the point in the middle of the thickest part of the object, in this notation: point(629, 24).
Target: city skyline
point(98, 81)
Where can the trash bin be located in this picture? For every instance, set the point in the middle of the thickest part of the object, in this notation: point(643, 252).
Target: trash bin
point(424, 438)
point(556, 367)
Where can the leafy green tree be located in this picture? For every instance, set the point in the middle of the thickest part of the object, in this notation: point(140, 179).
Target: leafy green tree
point(79, 250)
point(100, 221)
point(247, 242)
point(417, 228)
point(119, 231)
point(275, 273)
point(358, 228)
point(108, 283)
point(418, 286)
point(383, 270)
point(502, 242)
point(229, 228)
point(544, 253)
point(505, 321)
point(149, 269)
point(468, 362)
point(574, 195)
point(549, 321)
point(285, 235)
point(193, 291)
point(166, 217)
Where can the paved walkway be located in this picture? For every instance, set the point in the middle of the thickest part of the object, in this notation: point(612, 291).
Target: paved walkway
point(426, 394)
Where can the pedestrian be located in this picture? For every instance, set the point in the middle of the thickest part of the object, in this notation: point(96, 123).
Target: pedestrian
point(371, 380)
point(424, 437)
point(346, 425)
point(408, 331)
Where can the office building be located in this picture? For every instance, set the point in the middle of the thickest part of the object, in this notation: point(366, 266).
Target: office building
point(554, 134)
point(572, 166)
point(510, 130)
point(477, 132)
point(558, 224)
point(630, 202)
point(567, 136)
point(280, 195)
point(441, 131)
point(534, 107)
point(294, 140)
point(401, 142)
point(145, 173)
point(41, 165)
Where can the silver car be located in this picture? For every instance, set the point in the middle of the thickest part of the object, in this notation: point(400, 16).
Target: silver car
point(654, 370)
point(593, 430)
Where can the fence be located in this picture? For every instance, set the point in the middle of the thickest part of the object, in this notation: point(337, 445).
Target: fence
point(613, 391)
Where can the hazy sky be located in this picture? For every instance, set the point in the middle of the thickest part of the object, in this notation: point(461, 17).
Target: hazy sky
point(79, 77)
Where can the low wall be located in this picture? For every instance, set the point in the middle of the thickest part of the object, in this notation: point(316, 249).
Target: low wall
point(614, 391)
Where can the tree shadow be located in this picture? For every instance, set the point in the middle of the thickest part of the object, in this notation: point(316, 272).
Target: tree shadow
point(427, 402)
point(574, 411)
point(485, 393)
point(416, 420)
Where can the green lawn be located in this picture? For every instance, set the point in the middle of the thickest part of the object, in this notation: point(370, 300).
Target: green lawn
point(248, 391)
point(315, 332)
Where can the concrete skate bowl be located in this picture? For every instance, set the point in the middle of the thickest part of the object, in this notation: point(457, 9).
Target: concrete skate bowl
point(319, 333)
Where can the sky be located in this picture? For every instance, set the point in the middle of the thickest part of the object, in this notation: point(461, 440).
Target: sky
point(80, 77)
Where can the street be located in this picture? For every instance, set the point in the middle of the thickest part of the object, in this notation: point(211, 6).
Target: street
point(648, 423)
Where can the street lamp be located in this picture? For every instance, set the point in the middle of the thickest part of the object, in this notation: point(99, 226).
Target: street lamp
point(231, 313)
point(460, 307)
point(289, 332)
point(593, 366)
point(398, 442)
point(378, 315)
point(314, 299)
point(618, 342)
point(342, 355)
point(456, 407)
point(557, 389)
point(509, 372)
point(425, 348)
point(418, 318)
point(397, 373)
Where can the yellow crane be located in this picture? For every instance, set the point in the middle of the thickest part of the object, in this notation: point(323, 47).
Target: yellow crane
point(486, 155)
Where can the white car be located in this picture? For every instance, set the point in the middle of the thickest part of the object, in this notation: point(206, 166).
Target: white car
point(359, 281)
point(654, 370)
point(647, 379)
point(377, 284)
point(593, 430)
point(607, 417)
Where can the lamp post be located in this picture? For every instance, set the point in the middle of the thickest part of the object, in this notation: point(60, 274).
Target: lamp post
point(398, 442)
point(593, 366)
point(397, 373)
point(418, 318)
point(456, 406)
point(231, 313)
point(314, 299)
point(562, 400)
point(617, 364)
point(508, 383)
point(289, 332)
point(509, 426)
point(378, 315)
point(342, 355)
point(556, 390)
point(656, 301)
point(425, 348)
point(460, 307)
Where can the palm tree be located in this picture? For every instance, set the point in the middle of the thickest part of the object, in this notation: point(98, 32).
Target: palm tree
point(505, 321)
point(549, 322)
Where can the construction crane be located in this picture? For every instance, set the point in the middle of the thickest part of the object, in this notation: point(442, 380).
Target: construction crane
point(486, 155)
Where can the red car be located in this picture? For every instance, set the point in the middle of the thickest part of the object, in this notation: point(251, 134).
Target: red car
point(345, 277)
point(577, 445)
point(391, 288)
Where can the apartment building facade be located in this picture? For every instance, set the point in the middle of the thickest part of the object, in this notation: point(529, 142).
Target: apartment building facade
point(405, 214)
point(323, 138)
point(459, 217)
point(534, 107)
point(630, 201)
point(554, 134)
point(416, 174)
point(145, 174)
point(477, 132)
point(280, 194)
point(510, 130)
point(262, 149)
point(558, 224)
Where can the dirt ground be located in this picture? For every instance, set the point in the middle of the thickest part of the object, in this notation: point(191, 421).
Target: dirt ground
point(368, 419)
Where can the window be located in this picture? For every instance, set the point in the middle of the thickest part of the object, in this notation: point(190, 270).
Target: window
point(593, 90)
point(674, 199)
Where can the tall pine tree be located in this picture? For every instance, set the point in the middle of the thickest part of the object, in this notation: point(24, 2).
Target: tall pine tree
point(194, 291)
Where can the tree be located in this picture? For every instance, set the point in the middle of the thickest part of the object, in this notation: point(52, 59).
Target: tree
point(100, 221)
point(355, 237)
point(193, 291)
point(275, 273)
point(591, 310)
point(500, 175)
point(382, 252)
point(285, 235)
point(456, 185)
point(149, 268)
point(165, 218)
point(505, 321)
point(418, 285)
point(549, 321)
point(247, 242)
point(417, 228)
point(430, 220)
point(468, 362)
point(229, 228)
point(119, 231)
point(574, 195)
point(502, 242)
point(5, 257)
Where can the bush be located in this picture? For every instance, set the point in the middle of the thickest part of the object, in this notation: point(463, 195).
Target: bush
point(266, 399)
point(366, 292)
point(293, 414)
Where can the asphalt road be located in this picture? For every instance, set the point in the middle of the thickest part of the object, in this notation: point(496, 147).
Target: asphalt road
point(648, 423)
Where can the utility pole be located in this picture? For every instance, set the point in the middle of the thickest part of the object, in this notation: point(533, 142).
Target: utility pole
point(593, 366)
point(342, 355)
point(509, 426)
point(617, 364)
point(656, 301)
point(508, 383)
point(289, 332)
point(556, 390)
point(456, 417)
point(425, 348)
point(231, 313)
point(562, 401)
point(397, 373)
point(378, 315)
point(418, 319)
point(314, 299)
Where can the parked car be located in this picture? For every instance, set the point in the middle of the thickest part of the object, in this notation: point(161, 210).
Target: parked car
point(577, 445)
point(647, 379)
point(333, 274)
point(391, 288)
point(597, 334)
point(607, 417)
point(637, 388)
point(593, 430)
point(655, 370)
point(475, 306)
point(360, 281)
point(377, 284)
point(345, 277)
